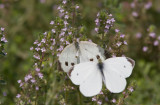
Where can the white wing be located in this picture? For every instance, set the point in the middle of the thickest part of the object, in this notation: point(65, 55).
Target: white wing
point(85, 51)
point(115, 71)
point(68, 57)
point(122, 65)
point(88, 77)
point(90, 52)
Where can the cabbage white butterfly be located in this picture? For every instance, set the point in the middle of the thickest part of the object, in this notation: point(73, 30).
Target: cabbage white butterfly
point(113, 72)
point(79, 52)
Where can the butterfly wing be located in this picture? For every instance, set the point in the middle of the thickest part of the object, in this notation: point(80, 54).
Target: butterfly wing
point(88, 77)
point(90, 52)
point(68, 57)
point(115, 71)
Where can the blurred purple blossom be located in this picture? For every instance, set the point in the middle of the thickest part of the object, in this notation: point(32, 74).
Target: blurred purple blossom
point(145, 48)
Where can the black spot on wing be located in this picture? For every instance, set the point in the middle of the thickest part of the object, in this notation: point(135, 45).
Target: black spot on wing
point(98, 57)
point(66, 63)
point(91, 59)
point(72, 64)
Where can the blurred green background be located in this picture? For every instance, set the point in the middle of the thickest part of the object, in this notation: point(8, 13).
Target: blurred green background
point(25, 19)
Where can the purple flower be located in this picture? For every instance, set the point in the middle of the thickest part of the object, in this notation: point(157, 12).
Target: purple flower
point(61, 10)
point(4, 94)
point(110, 15)
point(114, 100)
point(148, 5)
point(65, 22)
point(37, 88)
point(26, 78)
point(107, 26)
point(33, 80)
point(131, 89)
point(37, 49)
point(62, 39)
point(77, 7)
point(21, 84)
point(116, 30)
point(99, 102)
point(67, 43)
point(36, 56)
point(66, 16)
point(19, 81)
point(96, 29)
point(158, 37)
point(37, 69)
point(31, 48)
point(52, 22)
point(43, 49)
point(125, 42)
point(93, 98)
point(145, 48)
point(2, 6)
point(53, 30)
point(18, 96)
point(43, 41)
point(113, 20)
point(133, 5)
point(45, 33)
point(3, 39)
point(69, 33)
point(40, 75)
point(64, 1)
point(156, 43)
point(152, 34)
point(2, 29)
point(138, 35)
point(135, 14)
point(39, 44)
point(119, 44)
point(122, 36)
point(97, 20)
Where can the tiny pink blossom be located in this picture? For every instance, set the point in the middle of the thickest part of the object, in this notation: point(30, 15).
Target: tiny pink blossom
point(37, 69)
point(138, 35)
point(31, 48)
point(18, 96)
point(152, 34)
point(19, 81)
point(145, 48)
point(52, 22)
point(117, 30)
point(114, 100)
point(40, 75)
point(37, 88)
point(156, 43)
point(135, 14)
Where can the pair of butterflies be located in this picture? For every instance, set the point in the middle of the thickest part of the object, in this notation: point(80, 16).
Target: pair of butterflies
point(86, 66)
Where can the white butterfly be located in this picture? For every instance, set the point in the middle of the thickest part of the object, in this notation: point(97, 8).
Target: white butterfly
point(79, 52)
point(113, 72)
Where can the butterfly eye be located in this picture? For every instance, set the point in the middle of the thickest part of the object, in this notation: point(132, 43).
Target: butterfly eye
point(98, 56)
point(72, 64)
point(91, 59)
point(66, 63)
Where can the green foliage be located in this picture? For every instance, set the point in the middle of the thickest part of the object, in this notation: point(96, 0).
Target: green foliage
point(25, 20)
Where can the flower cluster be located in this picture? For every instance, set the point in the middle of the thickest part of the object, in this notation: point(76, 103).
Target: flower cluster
point(3, 40)
point(104, 22)
point(137, 5)
point(109, 34)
